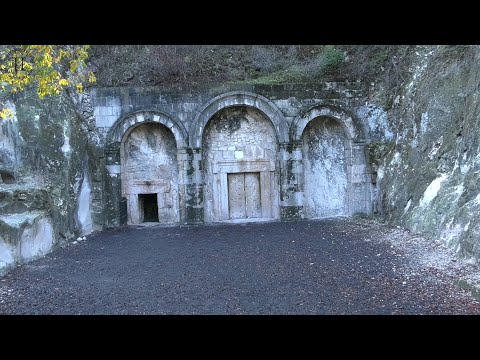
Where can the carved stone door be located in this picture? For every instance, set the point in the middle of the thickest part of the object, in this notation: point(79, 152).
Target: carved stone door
point(244, 195)
point(253, 206)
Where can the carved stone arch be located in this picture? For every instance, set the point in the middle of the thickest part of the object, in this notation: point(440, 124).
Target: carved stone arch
point(352, 126)
point(124, 191)
point(240, 98)
point(355, 196)
point(126, 124)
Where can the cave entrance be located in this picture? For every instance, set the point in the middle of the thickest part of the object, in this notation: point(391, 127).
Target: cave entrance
point(149, 207)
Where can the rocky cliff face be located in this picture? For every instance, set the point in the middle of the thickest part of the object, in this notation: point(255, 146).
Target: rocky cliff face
point(44, 190)
point(428, 174)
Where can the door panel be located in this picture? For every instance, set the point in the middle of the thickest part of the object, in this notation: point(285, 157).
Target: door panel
point(253, 207)
point(244, 195)
point(236, 196)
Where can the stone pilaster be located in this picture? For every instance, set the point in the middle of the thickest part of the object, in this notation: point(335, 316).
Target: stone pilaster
point(360, 180)
point(291, 181)
point(113, 186)
point(191, 185)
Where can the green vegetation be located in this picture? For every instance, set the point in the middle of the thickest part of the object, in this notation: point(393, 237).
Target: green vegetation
point(184, 64)
point(51, 69)
point(323, 64)
point(144, 65)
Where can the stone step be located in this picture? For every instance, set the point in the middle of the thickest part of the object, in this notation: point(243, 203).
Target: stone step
point(24, 237)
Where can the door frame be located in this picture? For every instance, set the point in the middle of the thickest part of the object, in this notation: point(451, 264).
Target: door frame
point(268, 198)
point(246, 199)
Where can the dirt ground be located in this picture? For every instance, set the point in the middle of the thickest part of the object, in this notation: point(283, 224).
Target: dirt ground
point(334, 266)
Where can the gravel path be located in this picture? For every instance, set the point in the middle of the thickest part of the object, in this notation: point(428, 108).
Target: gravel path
point(309, 267)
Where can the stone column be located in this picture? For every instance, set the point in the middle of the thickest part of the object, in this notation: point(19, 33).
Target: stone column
point(360, 180)
point(182, 158)
point(291, 181)
point(113, 185)
point(191, 185)
point(97, 171)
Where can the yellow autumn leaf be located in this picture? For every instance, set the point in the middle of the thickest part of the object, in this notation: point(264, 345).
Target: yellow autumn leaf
point(4, 113)
point(40, 65)
point(73, 66)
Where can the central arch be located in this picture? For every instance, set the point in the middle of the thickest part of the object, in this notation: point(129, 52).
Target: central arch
point(237, 160)
point(241, 98)
point(239, 168)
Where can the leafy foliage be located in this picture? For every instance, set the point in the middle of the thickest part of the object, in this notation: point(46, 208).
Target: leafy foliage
point(51, 68)
point(140, 65)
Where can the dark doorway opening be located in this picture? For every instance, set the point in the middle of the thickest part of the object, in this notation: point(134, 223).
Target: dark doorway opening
point(149, 207)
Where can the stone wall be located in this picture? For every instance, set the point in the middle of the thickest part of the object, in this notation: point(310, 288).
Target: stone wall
point(72, 166)
point(326, 189)
point(265, 125)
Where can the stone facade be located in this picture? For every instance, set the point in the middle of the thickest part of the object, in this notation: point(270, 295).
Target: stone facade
point(223, 154)
point(235, 153)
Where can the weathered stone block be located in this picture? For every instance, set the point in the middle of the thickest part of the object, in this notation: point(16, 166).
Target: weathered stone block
point(105, 121)
point(24, 237)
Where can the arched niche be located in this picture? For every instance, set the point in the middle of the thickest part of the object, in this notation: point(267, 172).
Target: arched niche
point(335, 170)
point(148, 176)
point(248, 99)
point(240, 151)
point(149, 173)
